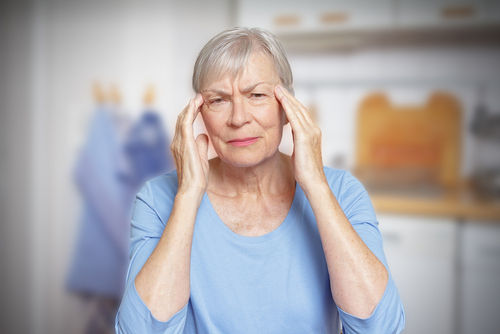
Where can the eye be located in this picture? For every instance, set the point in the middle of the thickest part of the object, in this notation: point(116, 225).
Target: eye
point(216, 101)
point(258, 95)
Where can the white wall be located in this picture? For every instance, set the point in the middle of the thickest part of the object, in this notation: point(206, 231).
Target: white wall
point(61, 48)
point(15, 224)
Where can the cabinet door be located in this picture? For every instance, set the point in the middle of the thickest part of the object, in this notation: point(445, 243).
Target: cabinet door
point(492, 11)
point(354, 14)
point(480, 278)
point(420, 253)
point(284, 16)
point(435, 13)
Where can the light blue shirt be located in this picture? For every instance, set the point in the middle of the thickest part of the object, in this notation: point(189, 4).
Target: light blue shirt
point(275, 283)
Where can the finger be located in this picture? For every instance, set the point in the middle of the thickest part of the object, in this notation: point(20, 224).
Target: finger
point(198, 100)
point(182, 115)
point(295, 105)
point(193, 110)
point(178, 127)
point(290, 110)
point(202, 143)
point(187, 119)
point(197, 103)
point(301, 111)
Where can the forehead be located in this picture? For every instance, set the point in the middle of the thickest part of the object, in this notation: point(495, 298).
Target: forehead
point(259, 68)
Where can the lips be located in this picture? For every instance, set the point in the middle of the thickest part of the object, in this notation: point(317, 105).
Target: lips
point(241, 142)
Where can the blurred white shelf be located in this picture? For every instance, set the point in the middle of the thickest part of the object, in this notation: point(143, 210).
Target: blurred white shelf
point(351, 40)
point(399, 82)
point(322, 25)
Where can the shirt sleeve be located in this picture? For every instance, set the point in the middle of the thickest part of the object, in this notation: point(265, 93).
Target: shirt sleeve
point(147, 227)
point(388, 316)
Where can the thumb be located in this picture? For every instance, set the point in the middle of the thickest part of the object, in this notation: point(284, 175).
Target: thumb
point(202, 143)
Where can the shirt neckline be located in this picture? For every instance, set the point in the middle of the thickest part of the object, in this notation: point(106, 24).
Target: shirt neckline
point(254, 240)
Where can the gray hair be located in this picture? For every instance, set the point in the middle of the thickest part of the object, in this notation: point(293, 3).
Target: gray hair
point(229, 51)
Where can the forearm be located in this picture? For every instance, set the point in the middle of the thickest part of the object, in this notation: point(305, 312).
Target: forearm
point(358, 279)
point(163, 282)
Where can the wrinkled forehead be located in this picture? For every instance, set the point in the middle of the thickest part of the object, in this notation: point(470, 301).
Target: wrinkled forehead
point(258, 66)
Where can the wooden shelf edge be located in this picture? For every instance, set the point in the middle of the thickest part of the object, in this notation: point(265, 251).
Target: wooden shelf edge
point(351, 39)
point(484, 211)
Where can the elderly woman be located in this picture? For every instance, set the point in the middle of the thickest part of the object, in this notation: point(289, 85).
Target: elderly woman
point(254, 241)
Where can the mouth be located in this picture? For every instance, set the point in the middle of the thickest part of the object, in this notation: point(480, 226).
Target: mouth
point(241, 142)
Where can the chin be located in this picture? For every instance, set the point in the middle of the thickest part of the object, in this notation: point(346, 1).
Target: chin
point(246, 159)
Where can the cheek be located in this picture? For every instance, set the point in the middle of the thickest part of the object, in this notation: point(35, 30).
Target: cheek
point(211, 123)
point(271, 114)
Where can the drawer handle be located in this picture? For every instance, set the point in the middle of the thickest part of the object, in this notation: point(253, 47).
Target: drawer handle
point(287, 20)
point(334, 18)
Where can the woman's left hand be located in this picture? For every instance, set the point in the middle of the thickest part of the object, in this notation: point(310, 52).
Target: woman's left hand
point(358, 278)
point(307, 162)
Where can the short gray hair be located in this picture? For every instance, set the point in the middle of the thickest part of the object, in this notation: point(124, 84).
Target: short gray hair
point(229, 51)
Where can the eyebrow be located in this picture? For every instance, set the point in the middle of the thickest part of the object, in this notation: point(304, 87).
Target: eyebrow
point(244, 90)
point(252, 87)
point(216, 91)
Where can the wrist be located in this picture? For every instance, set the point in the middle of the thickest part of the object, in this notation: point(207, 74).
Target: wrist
point(190, 195)
point(315, 183)
point(318, 188)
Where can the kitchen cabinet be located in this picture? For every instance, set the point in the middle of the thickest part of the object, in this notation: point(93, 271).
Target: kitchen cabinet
point(421, 253)
point(480, 278)
point(319, 15)
point(447, 272)
point(298, 16)
point(434, 13)
point(338, 25)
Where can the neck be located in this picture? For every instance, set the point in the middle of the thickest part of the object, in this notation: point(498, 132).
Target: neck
point(270, 177)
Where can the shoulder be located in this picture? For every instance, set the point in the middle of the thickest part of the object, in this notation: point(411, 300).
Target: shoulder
point(153, 205)
point(159, 192)
point(165, 184)
point(342, 182)
point(348, 190)
point(333, 175)
point(162, 188)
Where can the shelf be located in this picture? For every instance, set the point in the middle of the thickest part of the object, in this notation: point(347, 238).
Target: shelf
point(352, 40)
point(459, 204)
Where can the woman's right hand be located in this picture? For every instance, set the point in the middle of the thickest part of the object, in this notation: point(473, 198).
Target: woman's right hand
point(190, 155)
point(163, 281)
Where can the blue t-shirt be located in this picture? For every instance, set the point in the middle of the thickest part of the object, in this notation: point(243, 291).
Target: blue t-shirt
point(275, 283)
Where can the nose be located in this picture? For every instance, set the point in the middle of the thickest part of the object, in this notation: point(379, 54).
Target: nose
point(239, 114)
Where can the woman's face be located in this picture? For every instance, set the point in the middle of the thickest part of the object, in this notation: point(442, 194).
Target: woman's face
point(242, 116)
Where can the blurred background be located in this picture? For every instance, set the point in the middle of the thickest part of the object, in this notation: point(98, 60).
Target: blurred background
point(407, 94)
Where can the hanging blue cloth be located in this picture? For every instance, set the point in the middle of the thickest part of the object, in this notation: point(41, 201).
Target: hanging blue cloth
point(148, 150)
point(101, 255)
point(109, 173)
